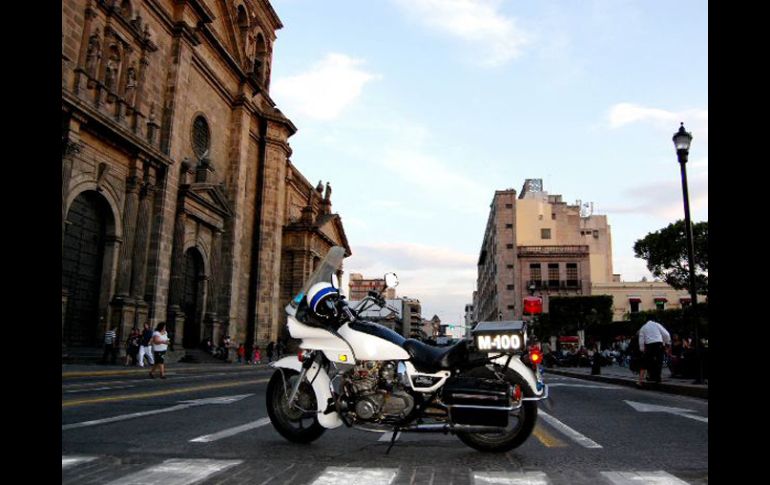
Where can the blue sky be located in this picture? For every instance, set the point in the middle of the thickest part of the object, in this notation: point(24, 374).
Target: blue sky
point(416, 111)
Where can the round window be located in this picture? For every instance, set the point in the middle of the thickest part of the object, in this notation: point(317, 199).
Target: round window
point(201, 136)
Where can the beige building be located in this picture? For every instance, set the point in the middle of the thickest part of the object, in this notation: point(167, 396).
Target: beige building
point(179, 198)
point(638, 296)
point(360, 287)
point(537, 244)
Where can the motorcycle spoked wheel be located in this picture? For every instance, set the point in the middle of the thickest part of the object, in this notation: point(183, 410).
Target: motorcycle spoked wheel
point(521, 422)
point(292, 422)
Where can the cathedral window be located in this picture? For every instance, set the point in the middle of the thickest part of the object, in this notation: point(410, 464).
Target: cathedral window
point(201, 136)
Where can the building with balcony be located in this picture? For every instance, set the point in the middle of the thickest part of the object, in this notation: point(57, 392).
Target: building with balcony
point(537, 244)
point(360, 287)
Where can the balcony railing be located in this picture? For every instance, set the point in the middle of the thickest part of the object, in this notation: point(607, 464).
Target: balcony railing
point(576, 250)
point(554, 284)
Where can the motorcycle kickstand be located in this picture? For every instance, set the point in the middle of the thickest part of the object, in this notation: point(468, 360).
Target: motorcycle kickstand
point(392, 440)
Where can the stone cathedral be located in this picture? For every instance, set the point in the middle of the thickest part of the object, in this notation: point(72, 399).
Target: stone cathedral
point(180, 202)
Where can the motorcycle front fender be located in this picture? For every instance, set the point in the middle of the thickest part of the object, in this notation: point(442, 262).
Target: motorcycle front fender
point(321, 386)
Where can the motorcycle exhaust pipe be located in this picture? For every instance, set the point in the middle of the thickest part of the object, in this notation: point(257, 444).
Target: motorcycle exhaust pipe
point(450, 428)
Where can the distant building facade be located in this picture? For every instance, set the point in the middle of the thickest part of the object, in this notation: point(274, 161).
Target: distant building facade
point(405, 320)
point(537, 244)
point(360, 287)
point(639, 296)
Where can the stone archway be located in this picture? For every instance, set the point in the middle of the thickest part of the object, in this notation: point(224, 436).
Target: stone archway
point(192, 297)
point(88, 224)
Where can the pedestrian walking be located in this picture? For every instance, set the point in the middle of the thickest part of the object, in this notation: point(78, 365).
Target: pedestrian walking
point(241, 353)
point(652, 337)
point(270, 348)
point(257, 356)
point(160, 342)
point(110, 349)
point(145, 346)
point(132, 347)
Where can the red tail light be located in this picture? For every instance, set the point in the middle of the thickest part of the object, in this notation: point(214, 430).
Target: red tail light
point(535, 356)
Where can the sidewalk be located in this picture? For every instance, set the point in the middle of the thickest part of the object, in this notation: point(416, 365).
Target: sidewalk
point(616, 374)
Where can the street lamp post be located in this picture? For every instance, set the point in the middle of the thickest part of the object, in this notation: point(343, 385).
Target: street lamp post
point(682, 141)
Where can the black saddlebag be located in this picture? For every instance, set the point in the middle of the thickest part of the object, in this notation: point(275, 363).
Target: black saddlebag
point(477, 401)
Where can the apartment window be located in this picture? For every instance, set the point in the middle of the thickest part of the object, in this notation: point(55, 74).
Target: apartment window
point(535, 274)
point(660, 305)
point(509, 266)
point(553, 274)
point(553, 216)
point(634, 306)
point(572, 274)
point(510, 307)
point(509, 287)
point(509, 206)
point(545, 234)
point(509, 246)
point(509, 226)
point(596, 234)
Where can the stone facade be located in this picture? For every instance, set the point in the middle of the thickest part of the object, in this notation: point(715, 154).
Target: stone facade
point(178, 194)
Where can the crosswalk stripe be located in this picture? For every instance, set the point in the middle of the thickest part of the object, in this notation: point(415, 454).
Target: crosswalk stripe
point(335, 475)
point(577, 437)
point(226, 433)
point(72, 460)
point(177, 472)
point(635, 478)
point(510, 478)
point(388, 436)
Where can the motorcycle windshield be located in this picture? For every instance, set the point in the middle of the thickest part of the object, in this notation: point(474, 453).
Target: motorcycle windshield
point(330, 265)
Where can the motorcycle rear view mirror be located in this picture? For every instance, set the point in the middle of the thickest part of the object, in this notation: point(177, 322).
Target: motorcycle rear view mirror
point(391, 280)
point(335, 281)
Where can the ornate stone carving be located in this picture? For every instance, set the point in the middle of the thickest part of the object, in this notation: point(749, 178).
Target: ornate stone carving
point(130, 83)
point(111, 70)
point(328, 194)
point(94, 53)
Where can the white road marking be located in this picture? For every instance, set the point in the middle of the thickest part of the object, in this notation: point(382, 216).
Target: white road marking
point(654, 408)
point(231, 431)
point(335, 475)
point(72, 460)
point(571, 433)
point(592, 386)
point(635, 478)
point(387, 436)
point(177, 472)
point(184, 405)
point(510, 478)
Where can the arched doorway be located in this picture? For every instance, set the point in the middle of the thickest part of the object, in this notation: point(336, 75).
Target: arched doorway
point(191, 297)
point(82, 265)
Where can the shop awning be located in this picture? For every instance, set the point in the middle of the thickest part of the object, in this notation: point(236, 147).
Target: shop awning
point(661, 299)
point(634, 299)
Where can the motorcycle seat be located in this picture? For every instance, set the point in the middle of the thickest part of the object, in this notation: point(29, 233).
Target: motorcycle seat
point(430, 359)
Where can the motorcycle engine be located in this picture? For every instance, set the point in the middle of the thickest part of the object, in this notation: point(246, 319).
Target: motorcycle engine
point(377, 393)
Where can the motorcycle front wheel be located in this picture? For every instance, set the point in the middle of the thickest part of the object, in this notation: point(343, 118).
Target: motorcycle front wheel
point(297, 423)
point(521, 422)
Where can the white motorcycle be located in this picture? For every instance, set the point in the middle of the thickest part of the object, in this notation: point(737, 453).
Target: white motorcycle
point(361, 374)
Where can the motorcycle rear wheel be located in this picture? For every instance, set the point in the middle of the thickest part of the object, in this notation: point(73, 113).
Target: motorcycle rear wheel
point(293, 423)
point(516, 434)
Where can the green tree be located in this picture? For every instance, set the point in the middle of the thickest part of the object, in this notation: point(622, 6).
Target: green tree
point(572, 313)
point(666, 254)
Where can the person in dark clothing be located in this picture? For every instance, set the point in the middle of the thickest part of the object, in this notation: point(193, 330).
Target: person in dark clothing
point(270, 348)
point(132, 347)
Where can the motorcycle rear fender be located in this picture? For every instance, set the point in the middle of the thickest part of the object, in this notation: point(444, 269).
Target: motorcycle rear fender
point(518, 367)
point(321, 387)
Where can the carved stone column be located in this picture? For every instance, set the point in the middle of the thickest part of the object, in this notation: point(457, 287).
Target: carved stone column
point(175, 314)
point(123, 309)
point(213, 322)
point(139, 258)
point(71, 148)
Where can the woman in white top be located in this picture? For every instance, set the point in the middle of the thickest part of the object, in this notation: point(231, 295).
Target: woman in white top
point(159, 347)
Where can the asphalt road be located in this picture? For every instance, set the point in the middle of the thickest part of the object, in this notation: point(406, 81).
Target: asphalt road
point(207, 424)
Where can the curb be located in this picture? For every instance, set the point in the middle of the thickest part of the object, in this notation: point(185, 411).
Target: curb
point(680, 389)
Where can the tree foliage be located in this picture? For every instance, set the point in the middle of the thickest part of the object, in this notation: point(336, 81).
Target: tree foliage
point(666, 254)
point(572, 313)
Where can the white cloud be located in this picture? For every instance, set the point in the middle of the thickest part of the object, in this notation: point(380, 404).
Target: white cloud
point(325, 90)
point(496, 37)
point(695, 120)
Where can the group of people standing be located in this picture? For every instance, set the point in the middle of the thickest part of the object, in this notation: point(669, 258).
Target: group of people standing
point(147, 344)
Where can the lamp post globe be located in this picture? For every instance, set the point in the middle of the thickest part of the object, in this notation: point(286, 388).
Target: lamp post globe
point(682, 140)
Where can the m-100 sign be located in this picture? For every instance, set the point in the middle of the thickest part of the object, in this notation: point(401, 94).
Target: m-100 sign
point(498, 342)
